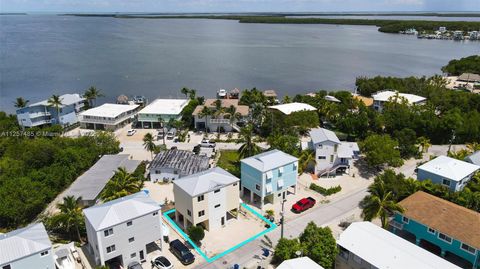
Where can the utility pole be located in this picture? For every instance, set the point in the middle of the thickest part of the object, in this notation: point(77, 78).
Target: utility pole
point(282, 217)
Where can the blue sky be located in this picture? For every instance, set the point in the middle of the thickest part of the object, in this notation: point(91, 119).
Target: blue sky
point(235, 5)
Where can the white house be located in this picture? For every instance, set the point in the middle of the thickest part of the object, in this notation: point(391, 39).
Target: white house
point(365, 245)
point(381, 97)
point(164, 109)
point(206, 198)
point(290, 108)
point(108, 116)
point(331, 155)
point(27, 247)
point(220, 121)
point(120, 230)
point(449, 172)
point(299, 263)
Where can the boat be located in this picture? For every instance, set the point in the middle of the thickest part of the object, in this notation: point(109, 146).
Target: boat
point(222, 94)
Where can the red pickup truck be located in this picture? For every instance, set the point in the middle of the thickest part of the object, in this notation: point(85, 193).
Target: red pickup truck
point(303, 204)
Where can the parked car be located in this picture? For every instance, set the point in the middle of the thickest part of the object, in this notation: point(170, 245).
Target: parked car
point(181, 252)
point(196, 149)
point(131, 132)
point(174, 148)
point(303, 204)
point(161, 262)
point(171, 133)
point(207, 143)
point(134, 265)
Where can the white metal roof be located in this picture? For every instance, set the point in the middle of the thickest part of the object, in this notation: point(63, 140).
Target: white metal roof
point(108, 110)
point(23, 242)
point(449, 168)
point(474, 158)
point(269, 160)
point(67, 99)
point(299, 263)
point(120, 210)
point(165, 107)
point(319, 135)
point(384, 249)
point(206, 181)
point(332, 99)
point(385, 96)
point(289, 108)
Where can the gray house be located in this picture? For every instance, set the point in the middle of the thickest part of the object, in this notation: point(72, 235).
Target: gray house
point(449, 172)
point(331, 154)
point(120, 231)
point(474, 158)
point(173, 164)
point(28, 247)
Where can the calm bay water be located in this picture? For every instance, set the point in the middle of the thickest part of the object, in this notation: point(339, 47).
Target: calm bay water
point(43, 55)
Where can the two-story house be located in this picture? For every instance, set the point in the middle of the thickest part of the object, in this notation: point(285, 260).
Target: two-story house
point(120, 230)
point(382, 97)
point(27, 247)
point(108, 116)
point(451, 173)
point(160, 112)
point(267, 177)
point(331, 155)
point(450, 230)
point(41, 113)
point(206, 198)
point(220, 120)
point(365, 245)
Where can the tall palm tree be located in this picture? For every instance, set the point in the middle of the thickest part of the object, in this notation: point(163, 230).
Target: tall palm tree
point(70, 217)
point(148, 143)
point(424, 143)
point(249, 148)
point(218, 112)
point(307, 157)
point(91, 94)
point(121, 184)
point(20, 102)
point(205, 113)
point(234, 115)
point(379, 203)
point(185, 91)
point(56, 102)
point(192, 94)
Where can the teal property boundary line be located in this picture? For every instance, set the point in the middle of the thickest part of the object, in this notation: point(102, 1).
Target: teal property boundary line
point(218, 256)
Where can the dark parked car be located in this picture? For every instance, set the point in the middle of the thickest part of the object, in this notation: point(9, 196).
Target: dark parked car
point(135, 265)
point(181, 252)
point(303, 204)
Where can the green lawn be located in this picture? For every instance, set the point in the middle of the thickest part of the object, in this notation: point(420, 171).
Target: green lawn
point(230, 161)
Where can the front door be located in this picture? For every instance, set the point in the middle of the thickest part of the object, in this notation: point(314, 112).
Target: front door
point(223, 221)
point(141, 255)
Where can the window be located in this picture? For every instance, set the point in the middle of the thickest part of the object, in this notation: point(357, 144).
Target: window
point(335, 148)
point(430, 230)
point(357, 259)
point(131, 239)
point(155, 213)
point(108, 232)
point(201, 213)
point(468, 248)
point(405, 220)
point(44, 253)
point(111, 248)
point(234, 184)
point(322, 157)
point(200, 198)
point(189, 213)
point(217, 206)
point(446, 182)
point(133, 255)
point(445, 238)
point(331, 158)
point(129, 223)
point(257, 187)
point(216, 191)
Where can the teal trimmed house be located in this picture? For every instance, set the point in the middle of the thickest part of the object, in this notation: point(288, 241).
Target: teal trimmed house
point(267, 177)
point(442, 227)
point(161, 111)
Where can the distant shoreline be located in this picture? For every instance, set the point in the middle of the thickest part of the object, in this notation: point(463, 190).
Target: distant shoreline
point(279, 14)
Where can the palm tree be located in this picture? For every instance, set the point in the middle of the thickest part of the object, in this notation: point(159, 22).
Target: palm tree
point(379, 203)
point(91, 94)
point(307, 157)
point(249, 148)
point(148, 143)
point(233, 114)
point(70, 217)
point(161, 121)
point(185, 91)
point(20, 102)
point(218, 112)
point(205, 112)
point(472, 147)
point(56, 102)
point(121, 184)
point(192, 94)
point(424, 143)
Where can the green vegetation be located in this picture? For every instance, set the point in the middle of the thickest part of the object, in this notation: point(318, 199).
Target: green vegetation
point(196, 233)
point(381, 150)
point(469, 64)
point(230, 161)
point(325, 192)
point(91, 94)
point(38, 164)
point(69, 222)
point(379, 203)
point(315, 242)
point(122, 184)
point(249, 148)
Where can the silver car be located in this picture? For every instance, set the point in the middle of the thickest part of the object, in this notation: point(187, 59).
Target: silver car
point(161, 262)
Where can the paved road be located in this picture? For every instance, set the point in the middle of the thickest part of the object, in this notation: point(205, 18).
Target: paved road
point(321, 215)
